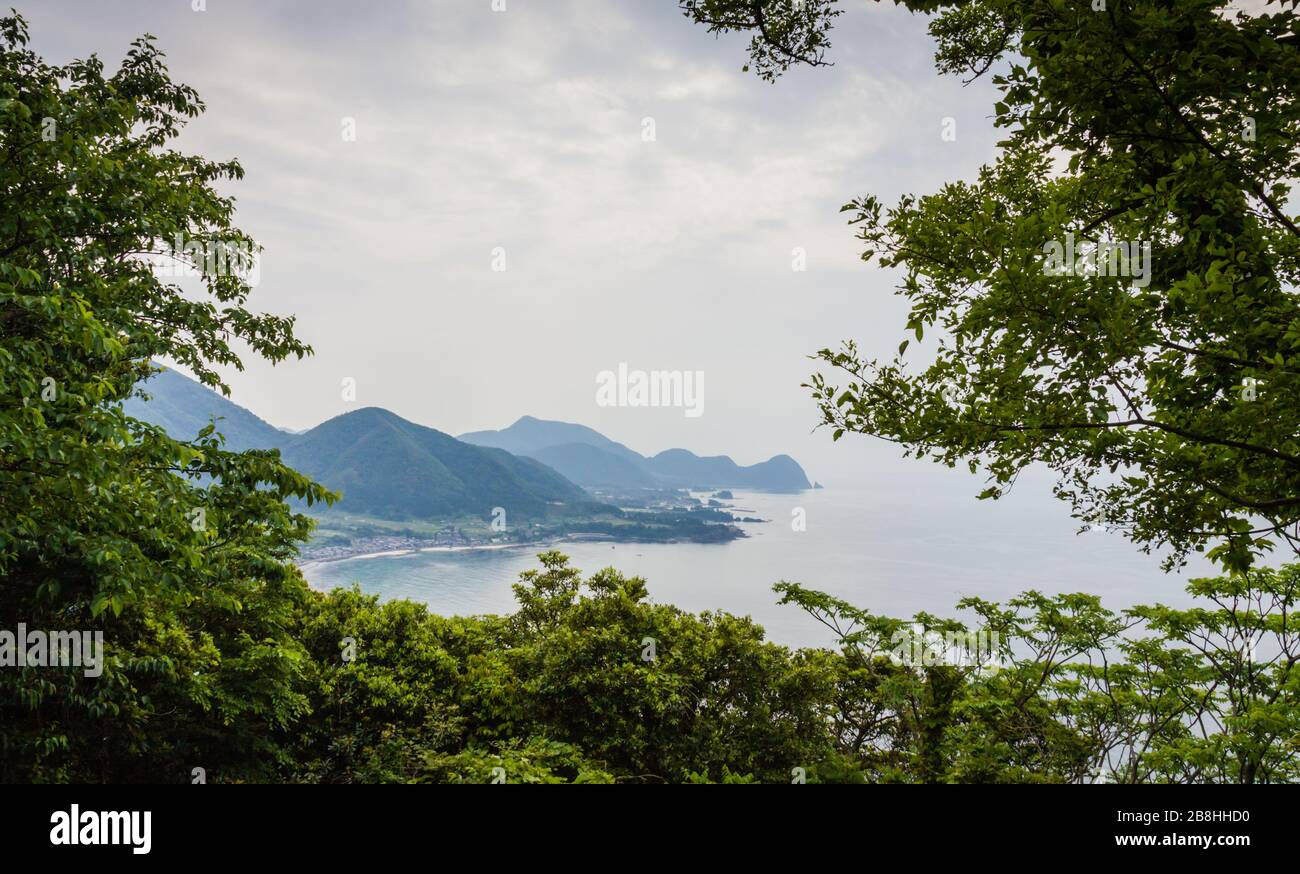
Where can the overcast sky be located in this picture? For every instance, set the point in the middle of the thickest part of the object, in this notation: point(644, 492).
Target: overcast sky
point(525, 130)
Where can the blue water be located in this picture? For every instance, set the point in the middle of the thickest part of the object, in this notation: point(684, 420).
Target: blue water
point(894, 547)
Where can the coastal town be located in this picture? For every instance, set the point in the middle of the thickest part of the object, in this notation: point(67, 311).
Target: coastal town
point(348, 537)
point(449, 538)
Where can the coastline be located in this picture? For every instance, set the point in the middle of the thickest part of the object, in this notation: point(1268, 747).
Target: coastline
point(389, 553)
point(396, 550)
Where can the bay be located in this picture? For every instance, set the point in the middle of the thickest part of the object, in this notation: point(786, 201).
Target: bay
point(895, 546)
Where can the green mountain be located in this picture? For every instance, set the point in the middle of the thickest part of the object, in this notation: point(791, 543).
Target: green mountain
point(389, 467)
point(182, 407)
point(384, 465)
point(590, 458)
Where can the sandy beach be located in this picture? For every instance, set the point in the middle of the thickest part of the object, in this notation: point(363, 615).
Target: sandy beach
point(392, 553)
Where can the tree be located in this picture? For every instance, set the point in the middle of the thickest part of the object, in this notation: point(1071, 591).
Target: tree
point(177, 551)
point(655, 693)
point(1160, 388)
point(383, 689)
point(1060, 689)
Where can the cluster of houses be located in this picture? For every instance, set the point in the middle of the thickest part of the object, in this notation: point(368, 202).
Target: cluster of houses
point(448, 536)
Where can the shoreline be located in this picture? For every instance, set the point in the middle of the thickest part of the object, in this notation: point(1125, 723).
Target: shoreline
point(389, 553)
point(304, 565)
point(486, 547)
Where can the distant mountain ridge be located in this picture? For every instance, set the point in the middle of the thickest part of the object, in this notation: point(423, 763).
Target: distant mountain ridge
point(594, 467)
point(383, 464)
point(529, 434)
point(389, 467)
point(589, 458)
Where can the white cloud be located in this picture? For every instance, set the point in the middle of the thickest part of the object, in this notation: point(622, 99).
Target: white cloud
point(523, 129)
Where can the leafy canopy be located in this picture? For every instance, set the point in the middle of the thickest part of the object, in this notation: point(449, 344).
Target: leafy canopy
point(1165, 403)
point(178, 551)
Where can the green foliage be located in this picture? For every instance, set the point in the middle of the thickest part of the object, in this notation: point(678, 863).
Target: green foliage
point(178, 552)
point(535, 760)
point(655, 692)
point(786, 32)
point(1168, 409)
point(1077, 693)
point(586, 682)
point(569, 689)
point(381, 686)
point(1167, 406)
point(219, 657)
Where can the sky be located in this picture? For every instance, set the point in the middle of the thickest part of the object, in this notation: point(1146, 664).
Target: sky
point(645, 196)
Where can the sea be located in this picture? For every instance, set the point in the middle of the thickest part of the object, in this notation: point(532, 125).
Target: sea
point(894, 546)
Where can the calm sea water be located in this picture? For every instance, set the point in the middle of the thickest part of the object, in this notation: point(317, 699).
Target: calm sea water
point(895, 547)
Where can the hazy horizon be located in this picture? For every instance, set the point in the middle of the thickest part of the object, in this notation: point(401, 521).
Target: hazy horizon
point(523, 130)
